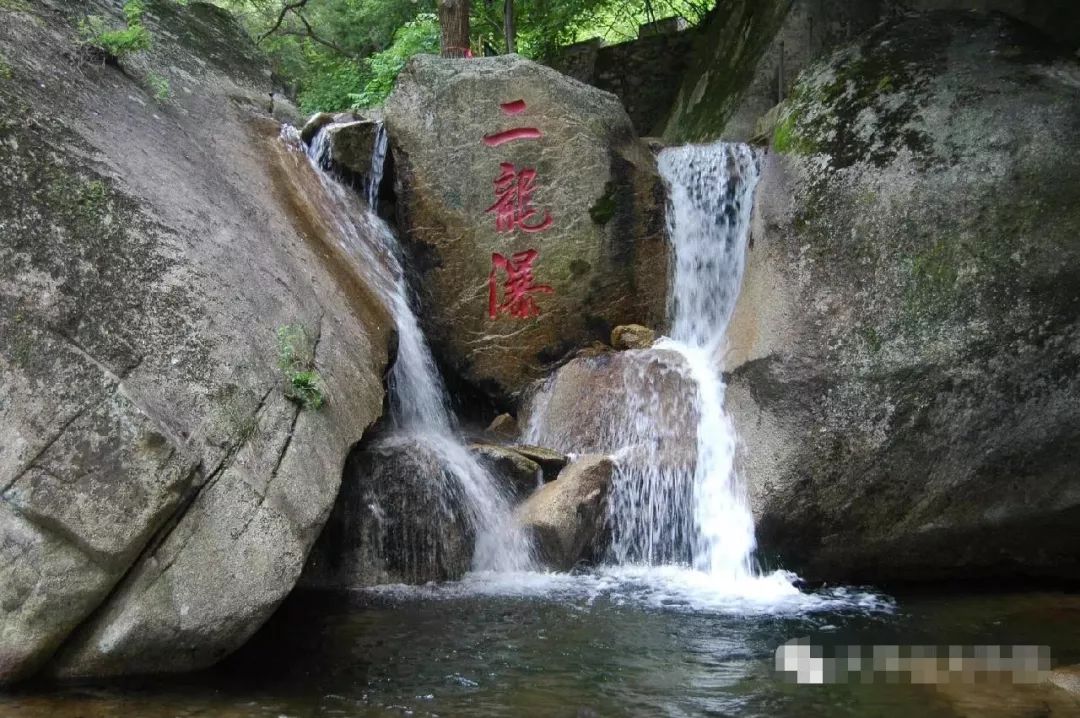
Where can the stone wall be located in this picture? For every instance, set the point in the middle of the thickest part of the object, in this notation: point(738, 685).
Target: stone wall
point(644, 73)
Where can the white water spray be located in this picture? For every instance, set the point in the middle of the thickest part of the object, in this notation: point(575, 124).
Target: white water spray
point(709, 207)
point(676, 498)
point(419, 407)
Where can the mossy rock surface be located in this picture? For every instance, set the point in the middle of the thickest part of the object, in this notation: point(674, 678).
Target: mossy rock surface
point(906, 344)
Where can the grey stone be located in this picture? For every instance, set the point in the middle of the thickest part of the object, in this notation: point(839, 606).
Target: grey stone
point(612, 402)
point(398, 519)
point(352, 144)
point(750, 53)
point(158, 493)
point(904, 349)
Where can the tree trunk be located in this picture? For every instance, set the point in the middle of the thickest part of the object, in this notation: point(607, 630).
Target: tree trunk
point(454, 27)
point(509, 28)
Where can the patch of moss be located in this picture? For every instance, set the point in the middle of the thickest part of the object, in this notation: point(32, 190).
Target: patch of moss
point(604, 208)
point(296, 357)
point(933, 273)
point(6, 72)
point(872, 338)
point(83, 200)
point(787, 140)
point(15, 5)
point(877, 82)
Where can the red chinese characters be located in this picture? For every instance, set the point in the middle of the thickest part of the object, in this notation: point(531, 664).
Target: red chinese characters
point(518, 288)
point(513, 201)
point(513, 210)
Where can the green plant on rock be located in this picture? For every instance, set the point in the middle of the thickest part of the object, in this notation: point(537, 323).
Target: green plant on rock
point(114, 44)
point(296, 357)
point(160, 86)
point(15, 5)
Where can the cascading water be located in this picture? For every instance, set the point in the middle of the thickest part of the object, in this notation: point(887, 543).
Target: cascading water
point(709, 208)
point(673, 502)
point(419, 407)
point(676, 498)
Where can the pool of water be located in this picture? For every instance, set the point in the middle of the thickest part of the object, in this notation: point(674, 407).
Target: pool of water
point(650, 643)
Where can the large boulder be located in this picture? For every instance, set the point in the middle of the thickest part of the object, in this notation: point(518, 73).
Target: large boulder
point(159, 491)
point(398, 519)
point(905, 346)
point(517, 270)
point(566, 517)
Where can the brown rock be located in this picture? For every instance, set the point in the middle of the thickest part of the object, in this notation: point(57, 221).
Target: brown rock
point(632, 336)
point(517, 471)
point(504, 425)
point(552, 462)
point(565, 517)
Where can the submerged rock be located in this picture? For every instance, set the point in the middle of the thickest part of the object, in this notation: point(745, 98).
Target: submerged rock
point(565, 517)
point(159, 491)
point(509, 177)
point(904, 350)
point(399, 518)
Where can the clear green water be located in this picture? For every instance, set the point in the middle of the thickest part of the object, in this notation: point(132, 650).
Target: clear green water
point(593, 648)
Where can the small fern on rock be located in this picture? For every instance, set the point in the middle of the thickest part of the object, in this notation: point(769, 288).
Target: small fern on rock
point(296, 359)
point(114, 44)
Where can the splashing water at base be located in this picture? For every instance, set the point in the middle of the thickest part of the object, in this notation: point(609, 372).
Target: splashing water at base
point(678, 512)
point(419, 406)
point(709, 208)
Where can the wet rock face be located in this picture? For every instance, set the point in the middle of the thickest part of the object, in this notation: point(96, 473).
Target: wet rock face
point(566, 517)
point(631, 401)
point(158, 491)
point(577, 245)
point(396, 520)
point(904, 352)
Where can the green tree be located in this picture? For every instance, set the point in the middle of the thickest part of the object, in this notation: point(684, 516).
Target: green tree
point(332, 54)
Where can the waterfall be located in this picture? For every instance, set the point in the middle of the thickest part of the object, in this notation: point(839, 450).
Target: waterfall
point(419, 406)
point(711, 191)
point(676, 497)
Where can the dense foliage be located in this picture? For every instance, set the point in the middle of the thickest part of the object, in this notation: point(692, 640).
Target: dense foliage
point(333, 54)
